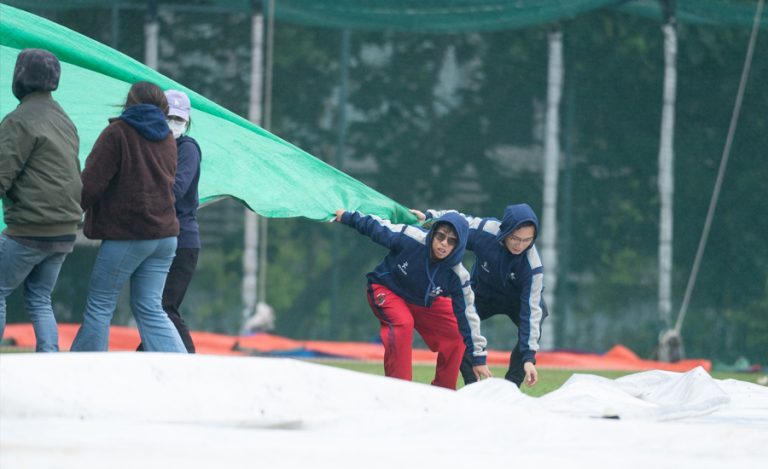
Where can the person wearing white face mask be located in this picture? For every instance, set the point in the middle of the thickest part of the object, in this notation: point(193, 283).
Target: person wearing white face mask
point(185, 189)
point(177, 125)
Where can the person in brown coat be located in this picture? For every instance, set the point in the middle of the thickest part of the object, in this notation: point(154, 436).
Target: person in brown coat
point(129, 205)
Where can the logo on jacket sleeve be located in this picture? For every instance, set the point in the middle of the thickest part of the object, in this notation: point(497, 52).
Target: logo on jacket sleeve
point(403, 268)
point(380, 299)
point(484, 266)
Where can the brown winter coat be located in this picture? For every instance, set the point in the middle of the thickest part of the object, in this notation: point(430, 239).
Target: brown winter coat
point(128, 186)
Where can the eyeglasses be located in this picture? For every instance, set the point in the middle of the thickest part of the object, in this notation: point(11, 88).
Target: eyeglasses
point(512, 239)
point(440, 236)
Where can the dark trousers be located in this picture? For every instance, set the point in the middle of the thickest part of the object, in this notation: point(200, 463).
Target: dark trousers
point(515, 373)
point(179, 277)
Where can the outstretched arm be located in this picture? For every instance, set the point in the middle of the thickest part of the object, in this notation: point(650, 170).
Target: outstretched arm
point(379, 230)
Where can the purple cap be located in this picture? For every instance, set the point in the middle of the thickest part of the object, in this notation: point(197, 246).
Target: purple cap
point(178, 104)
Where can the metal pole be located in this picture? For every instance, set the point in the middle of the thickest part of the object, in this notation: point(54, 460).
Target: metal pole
point(551, 170)
point(666, 166)
point(251, 219)
point(115, 37)
point(151, 36)
point(564, 293)
point(268, 72)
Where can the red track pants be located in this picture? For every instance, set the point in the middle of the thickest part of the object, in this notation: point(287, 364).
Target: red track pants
point(437, 326)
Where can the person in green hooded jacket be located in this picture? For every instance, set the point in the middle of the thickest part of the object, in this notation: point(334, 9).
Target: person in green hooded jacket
point(40, 186)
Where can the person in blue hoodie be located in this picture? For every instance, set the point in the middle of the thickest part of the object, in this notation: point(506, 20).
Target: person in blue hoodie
point(508, 279)
point(128, 201)
point(187, 201)
point(421, 285)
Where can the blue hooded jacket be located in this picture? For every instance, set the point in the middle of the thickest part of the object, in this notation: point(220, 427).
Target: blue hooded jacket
point(410, 273)
point(148, 120)
point(185, 189)
point(504, 281)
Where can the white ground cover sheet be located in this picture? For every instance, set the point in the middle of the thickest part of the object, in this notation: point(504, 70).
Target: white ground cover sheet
point(131, 410)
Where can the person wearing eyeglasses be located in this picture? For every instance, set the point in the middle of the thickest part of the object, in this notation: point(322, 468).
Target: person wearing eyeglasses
point(508, 279)
point(422, 285)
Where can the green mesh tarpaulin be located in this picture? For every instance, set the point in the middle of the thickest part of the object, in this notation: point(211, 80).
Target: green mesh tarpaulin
point(713, 12)
point(455, 16)
point(452, 16)
point(271, 176)
point(441, 16)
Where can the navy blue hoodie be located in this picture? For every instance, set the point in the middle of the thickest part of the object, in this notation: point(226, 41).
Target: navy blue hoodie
point(507, 282)
point(148, 120)
point(185, 190)
point(410, 273)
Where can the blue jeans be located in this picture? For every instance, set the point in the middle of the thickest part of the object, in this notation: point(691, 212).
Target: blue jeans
point(38, 270)
point(145, 263)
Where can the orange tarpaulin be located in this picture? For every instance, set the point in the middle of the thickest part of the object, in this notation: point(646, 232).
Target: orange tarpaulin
point(121, 339)
point(126, 339)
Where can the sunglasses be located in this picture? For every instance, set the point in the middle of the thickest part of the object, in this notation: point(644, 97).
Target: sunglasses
point(441, 236)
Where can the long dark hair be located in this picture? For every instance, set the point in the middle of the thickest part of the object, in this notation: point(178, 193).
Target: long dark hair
point(144, 92)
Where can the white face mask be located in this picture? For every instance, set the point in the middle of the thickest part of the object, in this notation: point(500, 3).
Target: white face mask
point(177, 127)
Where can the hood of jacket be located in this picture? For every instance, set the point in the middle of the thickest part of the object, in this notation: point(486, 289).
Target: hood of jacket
point(36, 70)
point(514, 216)
point(461, 227)
point(148, 120)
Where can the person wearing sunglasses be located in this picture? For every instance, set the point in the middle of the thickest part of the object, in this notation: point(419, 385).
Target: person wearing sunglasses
point(421, 285)
point(508, 279)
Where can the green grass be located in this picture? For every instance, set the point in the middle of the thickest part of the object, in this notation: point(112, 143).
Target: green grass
point(549, 378)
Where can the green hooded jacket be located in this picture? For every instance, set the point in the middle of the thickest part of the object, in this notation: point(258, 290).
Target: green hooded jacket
point(39, 169)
